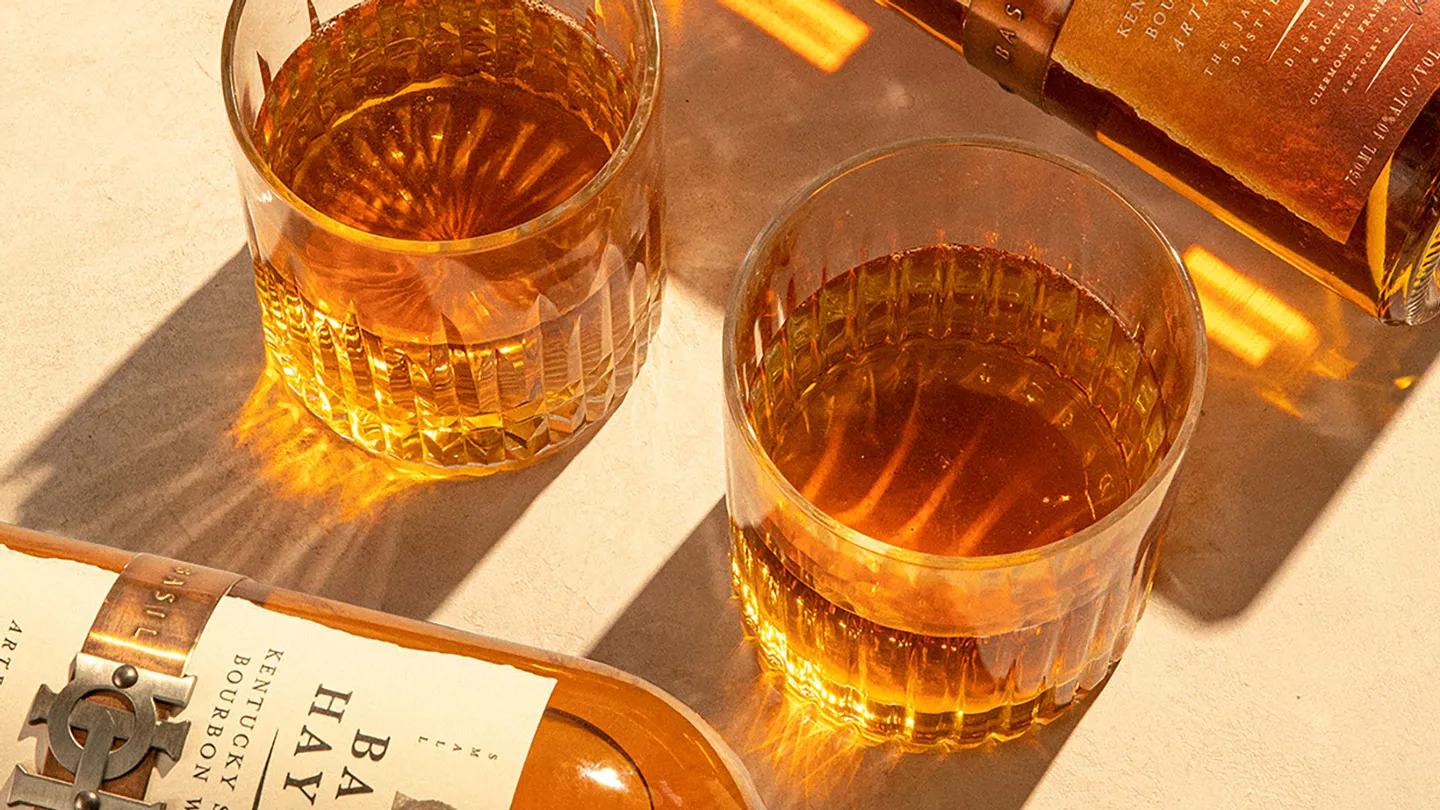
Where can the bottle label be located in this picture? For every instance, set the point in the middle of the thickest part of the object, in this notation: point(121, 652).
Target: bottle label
point(41, 635)
point(272, 711)
point(290, 713)
point(1304, 101)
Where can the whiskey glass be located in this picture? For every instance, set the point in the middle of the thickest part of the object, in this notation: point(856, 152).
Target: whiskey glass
point(454, 211)
point(970, 250)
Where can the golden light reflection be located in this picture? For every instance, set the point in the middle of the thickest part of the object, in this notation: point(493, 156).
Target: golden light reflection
point(1248, 320)
point(674, 11)
point(820, 31)
point(1282, 401)
point(304, 460)
point(1404, 383)
point(1255, 325)
point(807, 760)
point(810, 756)
point(1233, 334)
point(142, 648)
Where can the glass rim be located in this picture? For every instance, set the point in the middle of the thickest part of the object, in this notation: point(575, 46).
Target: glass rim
point(761, 246)
point(644, 111)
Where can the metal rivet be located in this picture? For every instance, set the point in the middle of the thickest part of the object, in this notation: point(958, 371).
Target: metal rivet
point(125, 677)
point(90, 800)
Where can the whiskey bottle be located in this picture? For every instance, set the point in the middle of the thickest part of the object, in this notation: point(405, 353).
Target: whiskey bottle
point(1310, 126)
point(132, 682)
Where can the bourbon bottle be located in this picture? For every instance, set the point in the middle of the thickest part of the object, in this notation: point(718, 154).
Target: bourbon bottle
point(1310, 126)
point(138, 683)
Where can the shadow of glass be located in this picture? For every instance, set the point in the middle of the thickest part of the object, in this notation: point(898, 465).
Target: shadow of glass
point(748, 122)
point(683, 633)
point(192, 449)
point(1301, 384)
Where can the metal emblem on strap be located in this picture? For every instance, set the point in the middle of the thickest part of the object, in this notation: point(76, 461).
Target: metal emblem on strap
point(138, 730)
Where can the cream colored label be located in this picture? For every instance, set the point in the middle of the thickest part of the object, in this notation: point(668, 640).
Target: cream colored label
point(1304, 101)
point(46, 609)
point(287, 713)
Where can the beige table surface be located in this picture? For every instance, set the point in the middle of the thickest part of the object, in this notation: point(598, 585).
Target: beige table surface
point(1291, 650)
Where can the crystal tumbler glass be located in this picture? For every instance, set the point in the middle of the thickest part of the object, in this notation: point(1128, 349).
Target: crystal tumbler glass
point(454, 212)
point(960, 377)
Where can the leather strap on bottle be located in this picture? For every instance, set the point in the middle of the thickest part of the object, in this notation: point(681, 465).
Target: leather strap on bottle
point(144, 634)
point(1011, 41)
point(154, 613)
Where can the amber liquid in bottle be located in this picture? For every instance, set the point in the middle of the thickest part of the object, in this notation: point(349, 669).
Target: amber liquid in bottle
point(1386, 264)
point(436, 121)
point(604, 742)
point(922, 429)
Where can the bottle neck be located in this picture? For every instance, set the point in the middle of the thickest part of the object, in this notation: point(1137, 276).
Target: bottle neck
point(1010, 40)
